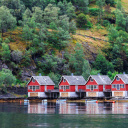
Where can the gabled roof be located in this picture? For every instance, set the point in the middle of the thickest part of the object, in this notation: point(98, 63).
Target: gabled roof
point(123, 77)
point(75, 80)
point(43, 80)
point(101, 79)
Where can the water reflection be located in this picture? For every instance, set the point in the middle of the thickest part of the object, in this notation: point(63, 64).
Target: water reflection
point(65, 108)
point(78, 108)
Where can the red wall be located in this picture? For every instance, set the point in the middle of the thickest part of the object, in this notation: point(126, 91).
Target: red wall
point(81, 87)
point(91, 82)
point(33, 83)
point(64, 83)
point(100, 88)
point(121, 89)
point(117, 82)
point(126, 87)
point(50, 87)
point(41, 87)
point(107, 86)
point(72, 88)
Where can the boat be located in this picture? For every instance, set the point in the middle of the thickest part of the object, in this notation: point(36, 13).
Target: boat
point(61, 101)
point(91, 101)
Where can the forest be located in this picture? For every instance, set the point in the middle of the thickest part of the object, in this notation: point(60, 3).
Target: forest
point(60, 37)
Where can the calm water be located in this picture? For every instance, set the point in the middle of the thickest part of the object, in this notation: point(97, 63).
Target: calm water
point(63, 115)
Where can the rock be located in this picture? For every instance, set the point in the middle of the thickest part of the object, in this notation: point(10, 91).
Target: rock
point(26, 74)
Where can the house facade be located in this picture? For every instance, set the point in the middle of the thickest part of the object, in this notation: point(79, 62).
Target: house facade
point(39, 86)
point(97, 85)
point(72, 86)
point(120, 85)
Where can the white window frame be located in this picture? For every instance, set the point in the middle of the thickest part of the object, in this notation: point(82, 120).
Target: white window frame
point(121, 85)
point(67, 86)
point(91, 79)
point(87, 86)
point(117, 78)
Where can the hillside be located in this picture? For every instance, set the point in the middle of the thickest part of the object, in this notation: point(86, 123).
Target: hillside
point(56, 38)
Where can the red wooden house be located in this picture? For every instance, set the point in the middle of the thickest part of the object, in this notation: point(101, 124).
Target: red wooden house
point(97, 85)
point(38, 86)
point(120, 85)
point(72, 86)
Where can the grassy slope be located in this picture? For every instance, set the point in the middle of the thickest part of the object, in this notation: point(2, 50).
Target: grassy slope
point(91, 46)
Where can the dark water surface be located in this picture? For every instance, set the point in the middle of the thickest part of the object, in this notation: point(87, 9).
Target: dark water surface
point(63, 115)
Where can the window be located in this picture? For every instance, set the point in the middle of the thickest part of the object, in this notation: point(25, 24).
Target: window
point(113, 86)
point(122, 86)
point(64, 80)
point(88, 86)
point(34, 88)
point(67, 87)
point(95, 86)
point(61, 87)
point(33, 80)
point(117, 78)
point(91, 79)
point(37, 87)
point(29, 87)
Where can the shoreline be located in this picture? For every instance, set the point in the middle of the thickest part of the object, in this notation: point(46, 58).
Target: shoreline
point(39, 100)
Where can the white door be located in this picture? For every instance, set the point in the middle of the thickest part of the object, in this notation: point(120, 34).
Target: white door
point(76, 87)
point(103, 87)
point(45, 87)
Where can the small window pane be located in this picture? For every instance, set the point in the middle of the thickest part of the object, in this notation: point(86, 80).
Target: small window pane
point(33, 80)
point(67, 87)
point(117, 78)
point(37, 87)
point(122, 86)
point(91, 79)
point(88, 86)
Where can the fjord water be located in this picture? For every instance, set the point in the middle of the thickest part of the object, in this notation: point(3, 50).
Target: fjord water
point(63, 115)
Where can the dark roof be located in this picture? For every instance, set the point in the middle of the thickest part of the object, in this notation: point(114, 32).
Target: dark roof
point(124, 77)
point(101, 79)
point(75, 80)
point(43, 80)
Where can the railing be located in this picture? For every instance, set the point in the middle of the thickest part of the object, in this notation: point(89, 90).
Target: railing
point(107, 90)
point(53, 90)
point(80, 90)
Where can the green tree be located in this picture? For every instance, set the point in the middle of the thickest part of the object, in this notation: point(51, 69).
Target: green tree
point(81, 20)
point(101, 4)
point(112, 74)
point(86, 69)
point(102, 64)
point(120, 21)
point(67, 9)
point(6, 77)
point(50, 14)
point(37, 14)
point(59, 39)
point(16, 7)
point(76, 60)
point(5, 52)
point(7, 21)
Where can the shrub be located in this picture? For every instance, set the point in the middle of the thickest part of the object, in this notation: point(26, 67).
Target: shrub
point(94, 11)
point(7, 40)
point(82, 21)
point(106, 23)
